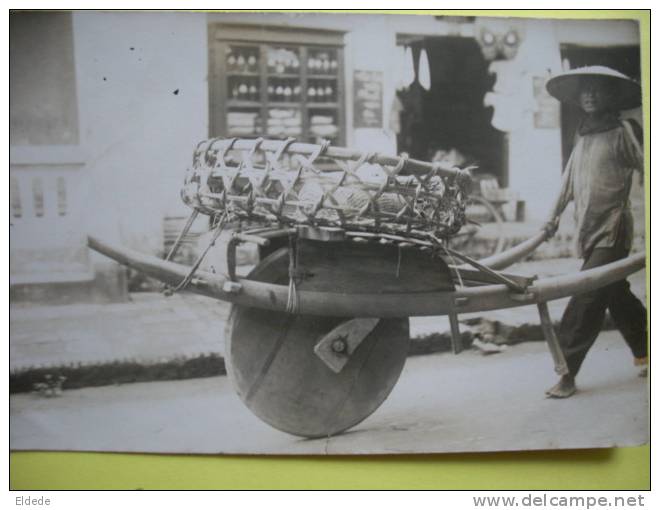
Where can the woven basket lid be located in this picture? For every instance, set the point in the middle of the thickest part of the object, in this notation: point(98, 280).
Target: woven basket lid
point(566, 86)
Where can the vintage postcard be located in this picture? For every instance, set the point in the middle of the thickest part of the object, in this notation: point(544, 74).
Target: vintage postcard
point(326, 233)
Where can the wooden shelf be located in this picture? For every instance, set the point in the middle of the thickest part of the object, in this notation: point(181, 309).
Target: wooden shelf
point(329, 104)
point(222, 80)
point(241, 74)
point(284, 76)
point(243, 103)
point(283, 104)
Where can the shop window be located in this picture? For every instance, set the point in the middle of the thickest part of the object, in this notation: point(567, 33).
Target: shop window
point(43, 109)
point(276, 84)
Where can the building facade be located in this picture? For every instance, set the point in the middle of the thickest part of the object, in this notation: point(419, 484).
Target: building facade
point(107, 107)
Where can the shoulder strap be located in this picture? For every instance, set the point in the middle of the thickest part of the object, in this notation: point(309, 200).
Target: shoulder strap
point(627, 124)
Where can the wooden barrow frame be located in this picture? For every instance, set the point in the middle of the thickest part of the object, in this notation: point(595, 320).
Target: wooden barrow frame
point(479, 298)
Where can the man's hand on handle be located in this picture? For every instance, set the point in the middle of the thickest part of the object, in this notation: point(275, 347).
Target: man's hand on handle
point(551, 227)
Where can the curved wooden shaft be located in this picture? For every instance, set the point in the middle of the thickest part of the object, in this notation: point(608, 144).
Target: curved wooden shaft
point(275, 297)
point(508, 257)
point(307, 149)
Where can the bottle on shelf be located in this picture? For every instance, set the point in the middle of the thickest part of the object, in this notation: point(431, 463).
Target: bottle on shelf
point(242, 91)
point(253, 92)
point(231, 61)
point(240, 62)
point(311, 92)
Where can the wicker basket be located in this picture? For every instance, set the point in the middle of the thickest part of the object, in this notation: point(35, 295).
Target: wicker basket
point(290, 183)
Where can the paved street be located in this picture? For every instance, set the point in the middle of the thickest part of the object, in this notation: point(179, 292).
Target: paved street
point(443, 402)
point(152, 328)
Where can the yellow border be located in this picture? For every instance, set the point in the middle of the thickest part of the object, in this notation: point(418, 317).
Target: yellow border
point(618, 468)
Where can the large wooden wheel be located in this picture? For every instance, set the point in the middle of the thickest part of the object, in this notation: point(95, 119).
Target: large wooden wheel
point(271, 356)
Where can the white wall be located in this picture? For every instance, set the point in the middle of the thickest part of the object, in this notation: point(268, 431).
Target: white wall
point(598, 32)
point(369, 43)
point(138, 135)
point(370, 49)
point(535, 157)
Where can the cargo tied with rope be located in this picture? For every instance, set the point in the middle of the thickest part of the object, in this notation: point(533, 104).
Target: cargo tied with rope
point(351, 245)
point(290, 183)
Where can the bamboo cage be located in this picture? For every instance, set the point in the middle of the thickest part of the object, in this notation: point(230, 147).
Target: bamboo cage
point(290, 183)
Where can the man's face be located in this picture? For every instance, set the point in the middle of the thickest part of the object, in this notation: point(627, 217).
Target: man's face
point(594, 96)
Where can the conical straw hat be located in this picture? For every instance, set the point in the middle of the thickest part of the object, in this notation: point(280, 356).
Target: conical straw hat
point(566, 86)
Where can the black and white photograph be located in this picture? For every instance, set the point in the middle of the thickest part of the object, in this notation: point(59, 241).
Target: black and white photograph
point(326, 233)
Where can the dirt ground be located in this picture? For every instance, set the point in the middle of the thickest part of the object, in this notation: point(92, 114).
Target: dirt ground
point(442, 403)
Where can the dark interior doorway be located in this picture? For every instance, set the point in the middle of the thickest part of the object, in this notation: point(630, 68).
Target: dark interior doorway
point(624, 59)
point(451, 115)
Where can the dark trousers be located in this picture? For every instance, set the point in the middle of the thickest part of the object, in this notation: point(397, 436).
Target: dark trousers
point(584, 315)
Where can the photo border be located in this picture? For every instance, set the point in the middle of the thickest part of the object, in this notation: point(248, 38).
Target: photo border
point(614, 468)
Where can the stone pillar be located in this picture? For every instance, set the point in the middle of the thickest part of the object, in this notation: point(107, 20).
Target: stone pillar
point(534, 144)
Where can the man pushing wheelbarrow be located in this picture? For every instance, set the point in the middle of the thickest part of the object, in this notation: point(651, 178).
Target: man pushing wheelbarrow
point(598, 178)
point(353, 243)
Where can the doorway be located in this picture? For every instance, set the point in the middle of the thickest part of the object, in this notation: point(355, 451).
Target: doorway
point(450, 120)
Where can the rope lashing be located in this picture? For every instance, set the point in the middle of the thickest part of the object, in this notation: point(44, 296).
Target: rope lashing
point(219, 227)
point(182, 234)
point(453, 261)
point(282, 182)
point(293, 301)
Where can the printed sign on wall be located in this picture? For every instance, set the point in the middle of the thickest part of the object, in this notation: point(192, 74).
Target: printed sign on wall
point(368, 99)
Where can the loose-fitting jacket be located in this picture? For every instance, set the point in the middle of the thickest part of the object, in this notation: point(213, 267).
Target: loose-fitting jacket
point(598, 178)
